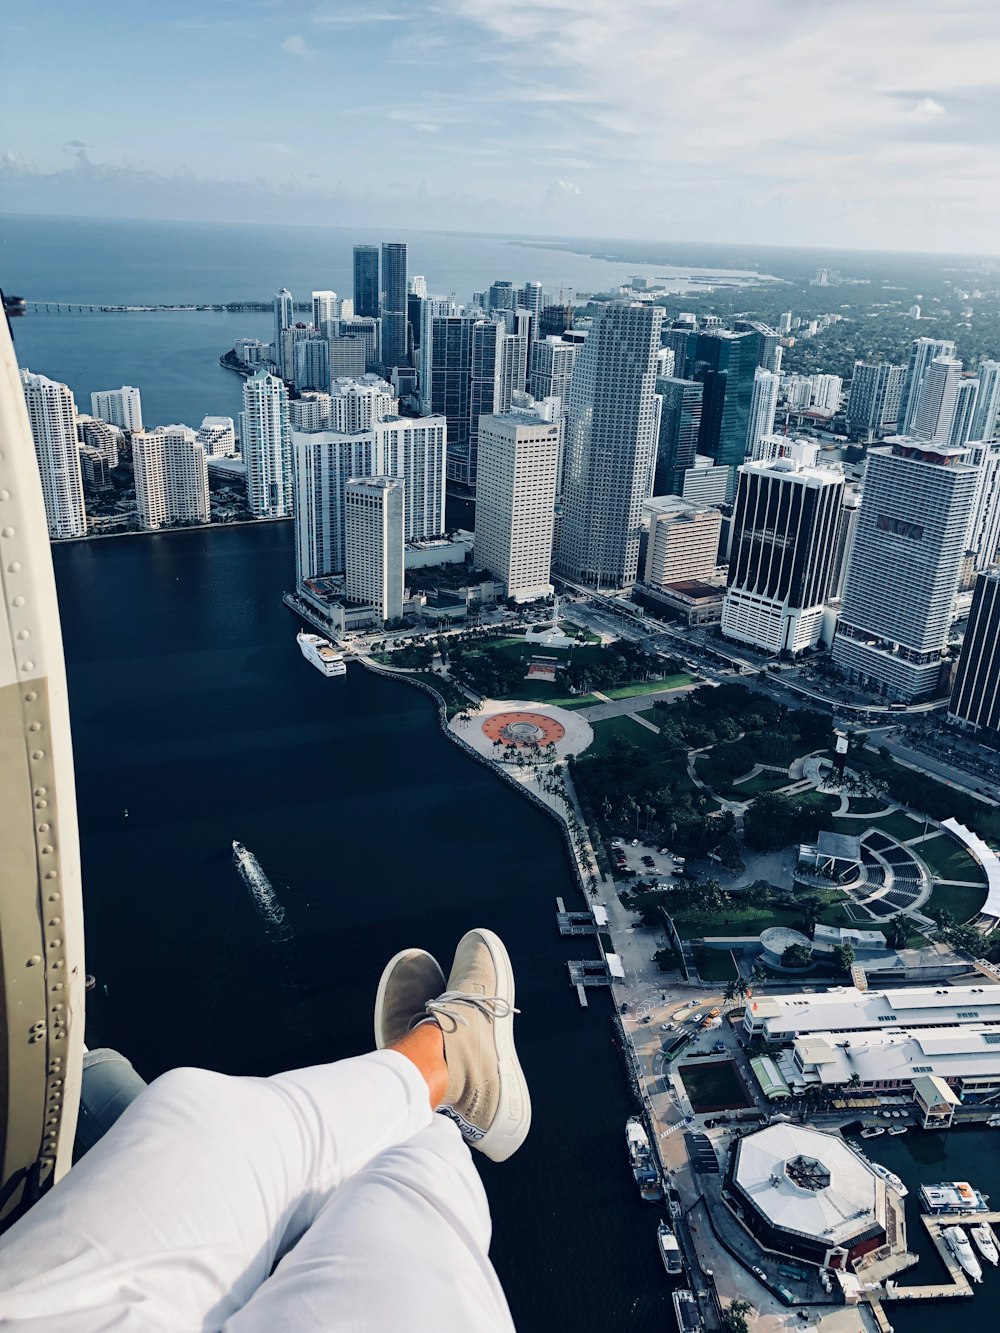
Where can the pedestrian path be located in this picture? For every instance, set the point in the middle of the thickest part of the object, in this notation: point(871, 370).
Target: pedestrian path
point(644, 722)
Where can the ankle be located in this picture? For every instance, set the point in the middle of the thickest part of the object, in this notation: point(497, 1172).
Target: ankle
point(423, 1046)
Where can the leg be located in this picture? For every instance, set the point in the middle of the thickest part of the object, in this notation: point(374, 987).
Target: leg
point(401, 1247)
point(175, 1218)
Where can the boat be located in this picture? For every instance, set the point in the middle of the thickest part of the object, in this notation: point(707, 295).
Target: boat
point(986, 1242)
point(670, 1251)
point(647, 1177)
point(872, 1132)
point(958, 1242)
point(890, 1178)
point(686, 1310)
point(322, 654)
point(953, 1196)
point(898, 1129)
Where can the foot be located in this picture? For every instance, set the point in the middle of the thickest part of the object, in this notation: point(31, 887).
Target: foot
point(410, 979)
point(487, 1096)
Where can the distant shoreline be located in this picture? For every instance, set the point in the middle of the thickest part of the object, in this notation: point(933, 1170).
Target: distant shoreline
point(165, 532)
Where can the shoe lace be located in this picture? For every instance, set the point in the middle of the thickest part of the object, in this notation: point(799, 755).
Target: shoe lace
point(490, 1006)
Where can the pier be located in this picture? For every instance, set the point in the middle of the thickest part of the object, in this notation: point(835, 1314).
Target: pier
point(959, 1284)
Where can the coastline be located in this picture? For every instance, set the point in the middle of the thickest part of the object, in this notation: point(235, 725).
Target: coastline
point(165, 532)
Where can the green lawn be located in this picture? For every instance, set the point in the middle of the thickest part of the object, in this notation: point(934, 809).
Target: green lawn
point(625, 729)
point(897, 825)
point(948, 860)
point(716, 965)
point(648, 686)
point(742, 791)
point(866, 805)
point(963, 904)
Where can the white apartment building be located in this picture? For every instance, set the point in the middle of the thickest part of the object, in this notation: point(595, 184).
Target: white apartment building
point(119, 407)
point(325, 309)
point(983, 541)
point(356, 404)
point(100, 435)
point(683, 541)
point(922, 353)
point(826, 394)
point(171, 476)
point(373, 527)
point(938, 401)
point(763, 406)
point(266, 437)
point(217, 436)
point(515, 502)
point(984, 420)
point(52, 414)
point(310, 411)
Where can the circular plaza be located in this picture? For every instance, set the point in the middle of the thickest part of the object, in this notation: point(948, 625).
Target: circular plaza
point(505, 728)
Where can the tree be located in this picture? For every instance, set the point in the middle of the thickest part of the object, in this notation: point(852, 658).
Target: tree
point(796, 955)
point(734, 1316)
point(855, 1080)
point(843, 957)
point(734, 989)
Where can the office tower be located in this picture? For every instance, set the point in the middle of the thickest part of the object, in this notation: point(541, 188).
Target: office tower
point(825, 394)
point(922, 353)
point(367, 304)
point(217, 437)
point(325, 309)
point(515, 502)
point(610, 446)
point(284, 317)
point(677, 442)
point(726, 364)
point(975, 700)
point(935, 409)
point(966, 397)
point(358, 404)
point(413, 307)
point(683, 540)
point(266, 437)
point(348, 358)
point(119, 407)
point(171, 477)
point(312, 364)
point(52, 414)
point(983, 540)
point(100, 435)
point(373, 527)
point(445, 375)
point(706, 483)
point(984, 420)
point(487, 386)
point(370, 333)
point(850, 508)
point(311, 411)
point(785, 526)
point(394, 339)
point(417, 286)
point(768, 345)
point(873, 401)
point(763, 407)
point(905, 566)
point(554, 320)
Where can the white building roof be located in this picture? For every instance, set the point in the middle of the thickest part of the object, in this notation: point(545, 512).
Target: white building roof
point(969, 1051)
point(773, 1165)
point(845, 1009)
point(986, 857)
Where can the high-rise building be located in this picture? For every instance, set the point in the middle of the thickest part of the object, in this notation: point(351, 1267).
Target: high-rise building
point(486, 386)
point(367, 304)
point(415, 449)
point(965, 411)
point(102, 436)
point(325, 309)
point(445, 379)
point(266, 439)
point(369, 331)
point(530, 298)
point(217, 437)
point(502, 295)
point(826, 393)
point(677, 442)
point(984, 421)
point(705, 483)
point(417, 286)
point(873, 402)
point(785, 323)
point(922, 353)
point(515, 502)
point(975, 700)
point(768, 346)
point(374, 522)
point(551, 368)
point(171, 477)
point(310, 411)
point(312, 364)
point(935, 409)
point(905, 566)
point(555, 320)
point(119, 407)
point(610, 444)
point(683, 541)
point(726, 364)
point(284, 317)
point(850, 508)
point(358, 404)
point(52, 414)
point(983, 540)
point(763, 409)
point(348, 358)
point(394, 338)
point(785, 526)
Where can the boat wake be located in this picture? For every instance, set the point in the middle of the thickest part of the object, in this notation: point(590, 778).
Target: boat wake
point(265, 899)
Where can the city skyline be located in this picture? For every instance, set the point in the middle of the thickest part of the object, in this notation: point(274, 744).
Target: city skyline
point(868, 158)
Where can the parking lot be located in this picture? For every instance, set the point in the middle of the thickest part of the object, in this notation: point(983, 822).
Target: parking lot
point(632, 856)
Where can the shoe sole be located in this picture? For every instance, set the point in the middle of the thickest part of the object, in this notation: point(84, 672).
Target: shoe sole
point(513, 1114)
point(381, 1037)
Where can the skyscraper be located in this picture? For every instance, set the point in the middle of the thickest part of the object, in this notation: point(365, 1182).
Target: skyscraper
point(52, 414)
point(119, 407)
point(873, 401)
point(325, 309)
point(763, 407)
point(922, 353)
point(905, 566)
point(530, 299)
point(975, 700)
point(610, 446)
point(394, 339)
point(984, 421)
point(680, 422)
point(551, 368)
point(373, 527)
point(983, 540)
point(284, 317)
point(171, 477)
point(312, 364)
point(768, 345)
point(554, 320)
point(935, 409)
point(785, 527)
point(515, 502)
point(966, 397)
point(357, 404)
point(683, 541)
point(726, 364)
point(445, 374)
point(266, 439)
point(366, 283)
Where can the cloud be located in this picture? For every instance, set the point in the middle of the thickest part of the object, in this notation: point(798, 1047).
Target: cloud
point(927, 106)
point(345, 17)
point(295, 45)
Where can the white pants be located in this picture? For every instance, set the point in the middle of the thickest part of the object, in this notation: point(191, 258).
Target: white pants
point(175, 1219)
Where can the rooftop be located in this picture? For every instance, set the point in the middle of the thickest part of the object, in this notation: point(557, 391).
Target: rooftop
point(845, 1009)
point(959, 1052)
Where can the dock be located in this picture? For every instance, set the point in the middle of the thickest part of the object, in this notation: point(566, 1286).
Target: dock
point(959, 1284)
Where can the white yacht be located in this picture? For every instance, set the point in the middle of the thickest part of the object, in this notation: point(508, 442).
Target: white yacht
point(890, 1178)
point(986, 1242)
point(958, 1242)
point(322, 654)
point(670, 1251)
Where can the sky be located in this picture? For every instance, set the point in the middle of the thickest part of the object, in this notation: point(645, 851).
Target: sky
point(867, 123)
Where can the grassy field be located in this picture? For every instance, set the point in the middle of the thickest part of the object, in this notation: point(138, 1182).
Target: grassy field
point(949, 861)
point(742, 791)
point(866, 805)
point(897, 825)
point(607, 729)
point(963, 904)
point(648, 686)
point(694, 925)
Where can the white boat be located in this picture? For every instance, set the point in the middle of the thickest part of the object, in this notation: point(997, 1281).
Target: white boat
point(958, 1242)
point(670, 1251)
point(898, 1129)
point(872, 1132)
point(986, 1242)
point(322, 654)
point(686, 1310)
point(890, 1177)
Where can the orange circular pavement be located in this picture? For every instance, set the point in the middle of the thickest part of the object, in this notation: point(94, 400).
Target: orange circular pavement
point(523, 729)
